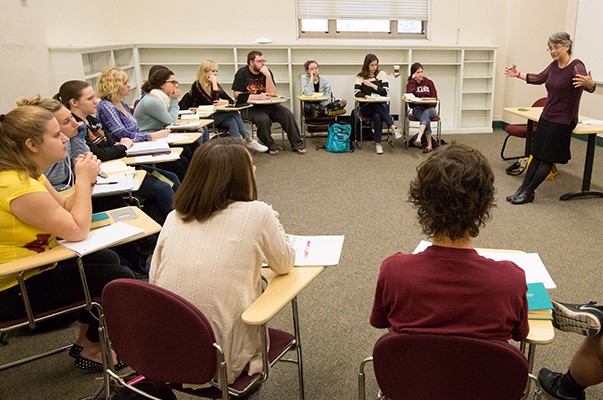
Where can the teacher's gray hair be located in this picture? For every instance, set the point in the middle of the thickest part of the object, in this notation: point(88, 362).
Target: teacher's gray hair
point(562, 38)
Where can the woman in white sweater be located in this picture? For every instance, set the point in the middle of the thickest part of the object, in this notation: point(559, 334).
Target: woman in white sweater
point(213, 244)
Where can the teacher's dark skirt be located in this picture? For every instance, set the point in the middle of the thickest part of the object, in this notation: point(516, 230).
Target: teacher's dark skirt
point(552, 141)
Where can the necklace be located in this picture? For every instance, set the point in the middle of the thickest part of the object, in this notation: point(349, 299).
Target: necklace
point(569, 59)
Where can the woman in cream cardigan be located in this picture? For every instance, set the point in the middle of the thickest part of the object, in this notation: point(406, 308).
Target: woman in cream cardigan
point(213, 244)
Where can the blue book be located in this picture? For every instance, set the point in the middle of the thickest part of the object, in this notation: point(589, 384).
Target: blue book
point(538, 298)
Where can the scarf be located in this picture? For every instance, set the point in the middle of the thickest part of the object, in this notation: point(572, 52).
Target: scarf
point(164, 98)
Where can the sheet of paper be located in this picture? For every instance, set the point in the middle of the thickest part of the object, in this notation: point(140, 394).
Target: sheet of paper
point(531, 263)
point(116, 167)
point(172, 137)
point(593, 122)
point(114, 184)
point(102, 238)
point(150, 147)
point(156, 158)
point(317, 250)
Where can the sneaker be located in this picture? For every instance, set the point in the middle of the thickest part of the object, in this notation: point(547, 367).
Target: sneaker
point(427, 150)
point(378, 148)
point(397, 134)
point(583, 319)
point(256, 146)
point(550, 384)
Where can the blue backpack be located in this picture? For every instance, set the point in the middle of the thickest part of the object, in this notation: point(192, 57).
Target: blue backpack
point(338, 140)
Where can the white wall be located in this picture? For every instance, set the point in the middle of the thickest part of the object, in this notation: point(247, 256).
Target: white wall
point(518, 28)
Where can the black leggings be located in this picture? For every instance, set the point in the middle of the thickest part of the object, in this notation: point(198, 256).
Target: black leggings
point(536, 173)
point(62, 286)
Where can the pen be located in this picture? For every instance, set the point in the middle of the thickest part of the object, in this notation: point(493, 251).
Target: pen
point(107, 183)
point(307, 249)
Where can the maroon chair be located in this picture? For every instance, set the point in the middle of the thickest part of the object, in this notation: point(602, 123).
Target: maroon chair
point(411, 118)
point(167, 339)
point(520, 131)
point(427, 366)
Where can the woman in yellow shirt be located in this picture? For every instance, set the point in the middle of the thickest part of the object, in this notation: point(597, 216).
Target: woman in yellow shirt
point(33, 214)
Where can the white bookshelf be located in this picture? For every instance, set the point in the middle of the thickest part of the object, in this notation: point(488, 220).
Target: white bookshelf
point(464, 75)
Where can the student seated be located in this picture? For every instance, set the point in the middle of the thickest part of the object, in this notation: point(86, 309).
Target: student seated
point(80, 98)
point(115, 115)
point(312, 83)
point(586, 367)
point(33, 214)
point(213, 244)
point(421, 86)
point(258, 80)
point(159, 107)
point(206, 91)
point(449, 288)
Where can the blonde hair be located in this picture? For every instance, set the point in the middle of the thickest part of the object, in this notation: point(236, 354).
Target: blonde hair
point(109, 82)
point(203, 74)
point(22, 123)
point(51, 105)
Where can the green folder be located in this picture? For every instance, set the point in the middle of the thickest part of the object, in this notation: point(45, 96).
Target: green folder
point(538, 298)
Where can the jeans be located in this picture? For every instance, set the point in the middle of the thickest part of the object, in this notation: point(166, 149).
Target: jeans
point(158, 191)
point(379, 112)
point(233, 121)
point(263, 115)
point(424, 116)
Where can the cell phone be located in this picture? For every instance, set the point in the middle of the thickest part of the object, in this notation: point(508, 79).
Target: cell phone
point(99, 216)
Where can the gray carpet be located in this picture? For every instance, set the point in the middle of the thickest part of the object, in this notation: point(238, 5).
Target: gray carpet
point(363, 196)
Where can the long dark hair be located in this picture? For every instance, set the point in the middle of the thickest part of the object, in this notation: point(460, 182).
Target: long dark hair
point(414, 68)
point(364, 72)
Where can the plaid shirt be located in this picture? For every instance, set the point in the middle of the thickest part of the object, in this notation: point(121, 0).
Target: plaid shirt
point(118, 123)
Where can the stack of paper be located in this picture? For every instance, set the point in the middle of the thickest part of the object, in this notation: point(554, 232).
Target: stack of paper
point(156, 158)
point(539, 303)
point(186, 125)
point(148, 148)
point(116, 167)
point(114, 184)
point(103, 238)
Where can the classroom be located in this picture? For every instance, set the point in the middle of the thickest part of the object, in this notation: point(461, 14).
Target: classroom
point(464, 49)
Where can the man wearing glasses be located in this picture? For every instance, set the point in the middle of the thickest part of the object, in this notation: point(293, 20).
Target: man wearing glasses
point(258, 80)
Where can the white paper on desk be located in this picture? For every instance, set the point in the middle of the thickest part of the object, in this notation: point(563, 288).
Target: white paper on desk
point(149, 147)
point(317, 250)
point(156, 158)
point(114, 184)
point(102, 238)
point(172, 137)
point(116, 167)
point(593, 122)
point(531, 263)
point(379, 97)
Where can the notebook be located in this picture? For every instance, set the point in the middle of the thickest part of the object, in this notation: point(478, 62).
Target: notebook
point(241, 100)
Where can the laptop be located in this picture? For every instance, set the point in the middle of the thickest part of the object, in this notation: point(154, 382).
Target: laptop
point(241, 100)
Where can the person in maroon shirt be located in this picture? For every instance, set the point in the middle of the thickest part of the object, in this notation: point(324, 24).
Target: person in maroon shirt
point(565, 79)
point(421, 86)
point(449, 288)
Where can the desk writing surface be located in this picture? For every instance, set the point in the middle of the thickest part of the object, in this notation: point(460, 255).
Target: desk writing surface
point(132, 160)
point(280, 291)
point(541, 332)
point(235, 108)
point(533, 114)
point(60, 253)
point(313, 98)
point(188, 137)
point(274, 100)
point(372, 99)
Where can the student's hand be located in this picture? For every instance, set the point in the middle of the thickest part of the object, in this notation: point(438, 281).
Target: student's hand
point(87, 167)
point(160, 134)
point(264, 70)
point(314, 76)
point(511, 72)
point(126, 142)
point(176, 93)
point(213, 78)
point(370, 84)
point(585, 81)
point(220, 102)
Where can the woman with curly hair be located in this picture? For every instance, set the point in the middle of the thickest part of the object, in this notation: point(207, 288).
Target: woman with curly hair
point(449, 288)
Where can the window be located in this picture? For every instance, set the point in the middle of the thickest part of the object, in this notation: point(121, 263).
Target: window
point(376, 19)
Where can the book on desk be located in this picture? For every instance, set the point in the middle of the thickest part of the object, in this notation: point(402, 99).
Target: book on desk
point(148, 148)
point(539, 302)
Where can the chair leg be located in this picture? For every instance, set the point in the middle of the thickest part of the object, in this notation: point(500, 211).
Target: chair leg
point(362, 379)
point(300, 364)
point(502, 151)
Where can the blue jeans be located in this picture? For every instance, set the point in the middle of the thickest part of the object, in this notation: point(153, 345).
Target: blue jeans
point(233, 121)
point(379, 112)
point(424, 116)
point(157, 190)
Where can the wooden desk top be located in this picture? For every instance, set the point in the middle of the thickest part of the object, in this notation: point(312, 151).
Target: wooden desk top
point(274, 100)
point(191, 137)
point(225, 108)
point(541, 332)
point(280, 291)
point(132, 160)
point(313, 98)
point(418, 100)
point(533, 114)
point(60, 253)
point(372, 100)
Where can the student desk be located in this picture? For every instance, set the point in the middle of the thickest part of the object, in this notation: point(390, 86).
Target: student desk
point(273, 100)
point(174, 151)
point(405, 115)
point(319, 121)
point(532, 114)
point(235, 108)
point(358, 101)
point(281, 290)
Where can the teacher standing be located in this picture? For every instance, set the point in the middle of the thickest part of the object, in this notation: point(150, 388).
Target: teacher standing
point(565, 78)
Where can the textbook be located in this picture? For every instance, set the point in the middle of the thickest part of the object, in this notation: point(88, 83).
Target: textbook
point(539, 302)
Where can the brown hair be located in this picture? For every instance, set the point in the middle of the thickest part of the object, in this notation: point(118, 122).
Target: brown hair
point(308, 63)
point(453, 192)
point(220, 173)
point(22, 123)
point(364, 72)
point(156, 78)
point(252, 55)
point(70, 90)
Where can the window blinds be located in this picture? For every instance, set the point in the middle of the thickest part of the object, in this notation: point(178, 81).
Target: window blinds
point(374, 9)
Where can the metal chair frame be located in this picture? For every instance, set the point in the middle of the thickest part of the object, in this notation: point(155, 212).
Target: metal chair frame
point(408, 118)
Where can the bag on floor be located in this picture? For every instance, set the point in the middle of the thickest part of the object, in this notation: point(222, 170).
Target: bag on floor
point(338, 139)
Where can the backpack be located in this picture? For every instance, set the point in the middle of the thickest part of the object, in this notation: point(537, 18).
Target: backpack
point(338, 139)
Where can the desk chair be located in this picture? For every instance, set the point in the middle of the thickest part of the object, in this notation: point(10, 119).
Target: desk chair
point(520, 131)
point(167, 339)
point(361, 122)
point(284, 140)
point(436, 119)
point(427, 366)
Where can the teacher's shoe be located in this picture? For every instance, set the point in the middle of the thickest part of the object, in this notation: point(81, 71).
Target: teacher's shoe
point(525, 196)
point(552, 384)
point(512, 196)
point(585, 319)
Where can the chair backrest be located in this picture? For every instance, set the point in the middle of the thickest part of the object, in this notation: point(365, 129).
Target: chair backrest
point(158, 333)
point(540, 102)
point(425, 366)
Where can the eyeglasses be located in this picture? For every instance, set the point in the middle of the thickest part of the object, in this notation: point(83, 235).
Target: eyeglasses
point(175, 83)
point(554, 47)
point(263, 61)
